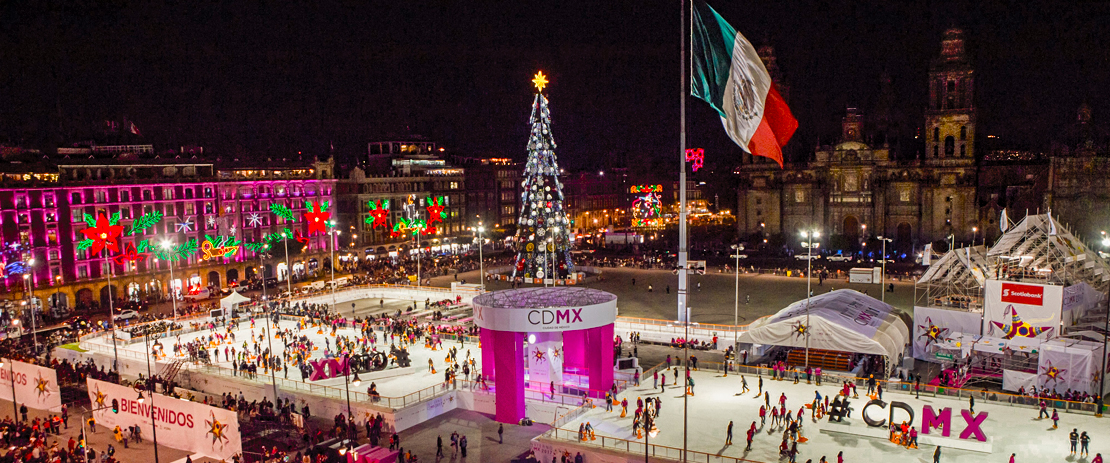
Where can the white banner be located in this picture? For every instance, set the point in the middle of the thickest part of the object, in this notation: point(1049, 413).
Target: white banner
point(35, 386)
point(931, 326)
point(182, 424)
point(1022, 309)
point(1073, 367)
point(1079, 299)
point(1013, 381)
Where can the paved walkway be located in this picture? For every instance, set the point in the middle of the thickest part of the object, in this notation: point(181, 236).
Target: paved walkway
point(481, 435)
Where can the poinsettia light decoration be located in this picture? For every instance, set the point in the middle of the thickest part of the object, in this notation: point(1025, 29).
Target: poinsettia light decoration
point(317, 217)
point(102, 233)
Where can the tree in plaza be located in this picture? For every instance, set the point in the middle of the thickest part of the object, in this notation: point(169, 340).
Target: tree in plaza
point(543, 236)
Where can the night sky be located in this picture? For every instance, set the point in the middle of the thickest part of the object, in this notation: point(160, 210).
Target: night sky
point(241, 78)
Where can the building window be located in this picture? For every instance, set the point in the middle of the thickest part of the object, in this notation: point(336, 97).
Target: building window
point(207, 192)
point(454, 185)
point(936, 133)
point(125, 196)
point(188, 193)
point(82, 271)
point(75, 198)
point(167, 192)
point(904, 195)
point(758, 201)
point(24, 218)
point(51, 217)
point(125, 212)
point(799, 196)
point(759, 212)
point(54, 254)
point(101, 196)
point(48, 200)
point(21, 201)
point(949, 146)
point(963, 150)
point(147, 196)
point(52, 237)
point(963, 132)
point(936, 151)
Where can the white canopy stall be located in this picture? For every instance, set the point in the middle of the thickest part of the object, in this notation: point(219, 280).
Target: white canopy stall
point(232, 301)
point(843, 320)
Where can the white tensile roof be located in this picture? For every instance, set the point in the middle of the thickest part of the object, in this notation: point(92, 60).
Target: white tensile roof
point(842, 320)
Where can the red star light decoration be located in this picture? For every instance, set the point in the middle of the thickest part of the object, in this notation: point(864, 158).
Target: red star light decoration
point(379, 213)
point(104, 235)
point(317, 217)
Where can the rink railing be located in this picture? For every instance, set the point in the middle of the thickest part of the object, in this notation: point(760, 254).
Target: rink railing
point(339, 392)
point(677, 329)
point(638, 447)
point(929, 390)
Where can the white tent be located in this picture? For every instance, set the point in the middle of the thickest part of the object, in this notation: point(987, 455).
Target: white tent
point(843, 320)
point(233, 300)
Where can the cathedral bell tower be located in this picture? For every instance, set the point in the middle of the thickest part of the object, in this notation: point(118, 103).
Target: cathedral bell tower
point(950, 115)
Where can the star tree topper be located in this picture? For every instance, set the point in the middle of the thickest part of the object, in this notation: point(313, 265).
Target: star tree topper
point(540, 81)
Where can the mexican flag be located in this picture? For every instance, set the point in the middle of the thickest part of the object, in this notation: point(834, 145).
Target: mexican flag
point(729, 75)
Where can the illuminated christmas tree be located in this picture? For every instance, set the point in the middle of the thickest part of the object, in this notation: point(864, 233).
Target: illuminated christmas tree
point(543, 236)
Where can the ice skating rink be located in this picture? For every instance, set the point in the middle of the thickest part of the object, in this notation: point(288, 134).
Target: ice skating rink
point(717, 400)
point(417, 378)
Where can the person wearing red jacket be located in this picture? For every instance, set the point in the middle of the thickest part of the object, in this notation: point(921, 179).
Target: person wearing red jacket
point(762, 415)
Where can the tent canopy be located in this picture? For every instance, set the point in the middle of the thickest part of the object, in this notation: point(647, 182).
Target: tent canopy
point(233, 300)
point(843, 320)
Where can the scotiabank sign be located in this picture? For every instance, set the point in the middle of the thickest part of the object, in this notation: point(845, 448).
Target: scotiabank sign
point(185, 425)
point(1022, 294)
point(488, 315)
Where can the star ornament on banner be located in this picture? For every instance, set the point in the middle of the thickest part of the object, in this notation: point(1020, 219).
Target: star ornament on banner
point(42, 387)
point(931, 333)
point(185, 226)
point(104, 234)
point(100, 397)
point(216, 429)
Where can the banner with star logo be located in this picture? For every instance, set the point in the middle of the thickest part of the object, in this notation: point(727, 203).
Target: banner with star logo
point(35, 386)
point(190, 426)
point(932, 326)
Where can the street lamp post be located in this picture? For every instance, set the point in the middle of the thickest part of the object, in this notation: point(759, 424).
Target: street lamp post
point(355, 382)
point(167, 245)
point(481, 264)
point(288, 267)
point(333, 238)
point(882, 275)
point(736, 314)
point(150, 390)
point(112, 312)
point(975, 236)
point(269, 314)
point(11, 374)
point(31, 304)
point(809, 244)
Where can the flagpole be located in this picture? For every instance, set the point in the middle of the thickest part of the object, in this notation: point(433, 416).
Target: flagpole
point(682, 248)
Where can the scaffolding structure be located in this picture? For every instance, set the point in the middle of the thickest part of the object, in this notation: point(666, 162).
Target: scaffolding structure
point(1041, 250)
point(955, 281)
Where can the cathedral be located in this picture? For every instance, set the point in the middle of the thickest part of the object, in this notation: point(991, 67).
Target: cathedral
point(854, 190)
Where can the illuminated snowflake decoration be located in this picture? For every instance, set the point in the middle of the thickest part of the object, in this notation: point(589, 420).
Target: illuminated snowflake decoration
point(187, 225)
point(211, 221)
point(932, 333)
point(254, 220)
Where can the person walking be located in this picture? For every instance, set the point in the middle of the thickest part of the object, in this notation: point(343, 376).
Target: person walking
point(917, 388)
point(1074, 438)
point(1055, 419)
point(751, 434)
point(728, 434)
point(744, 384)
point(936, 455)
point(500, 433)
point(1013, 456)
point(655, 379)
point(970, 402)
point(793, 451)
point(1098, 458)
point(1044, 410)
point(439, 446)
point(760, 386)
point(462, 446)
point(1084, 441)
point(762, 416)
point(663, 385)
